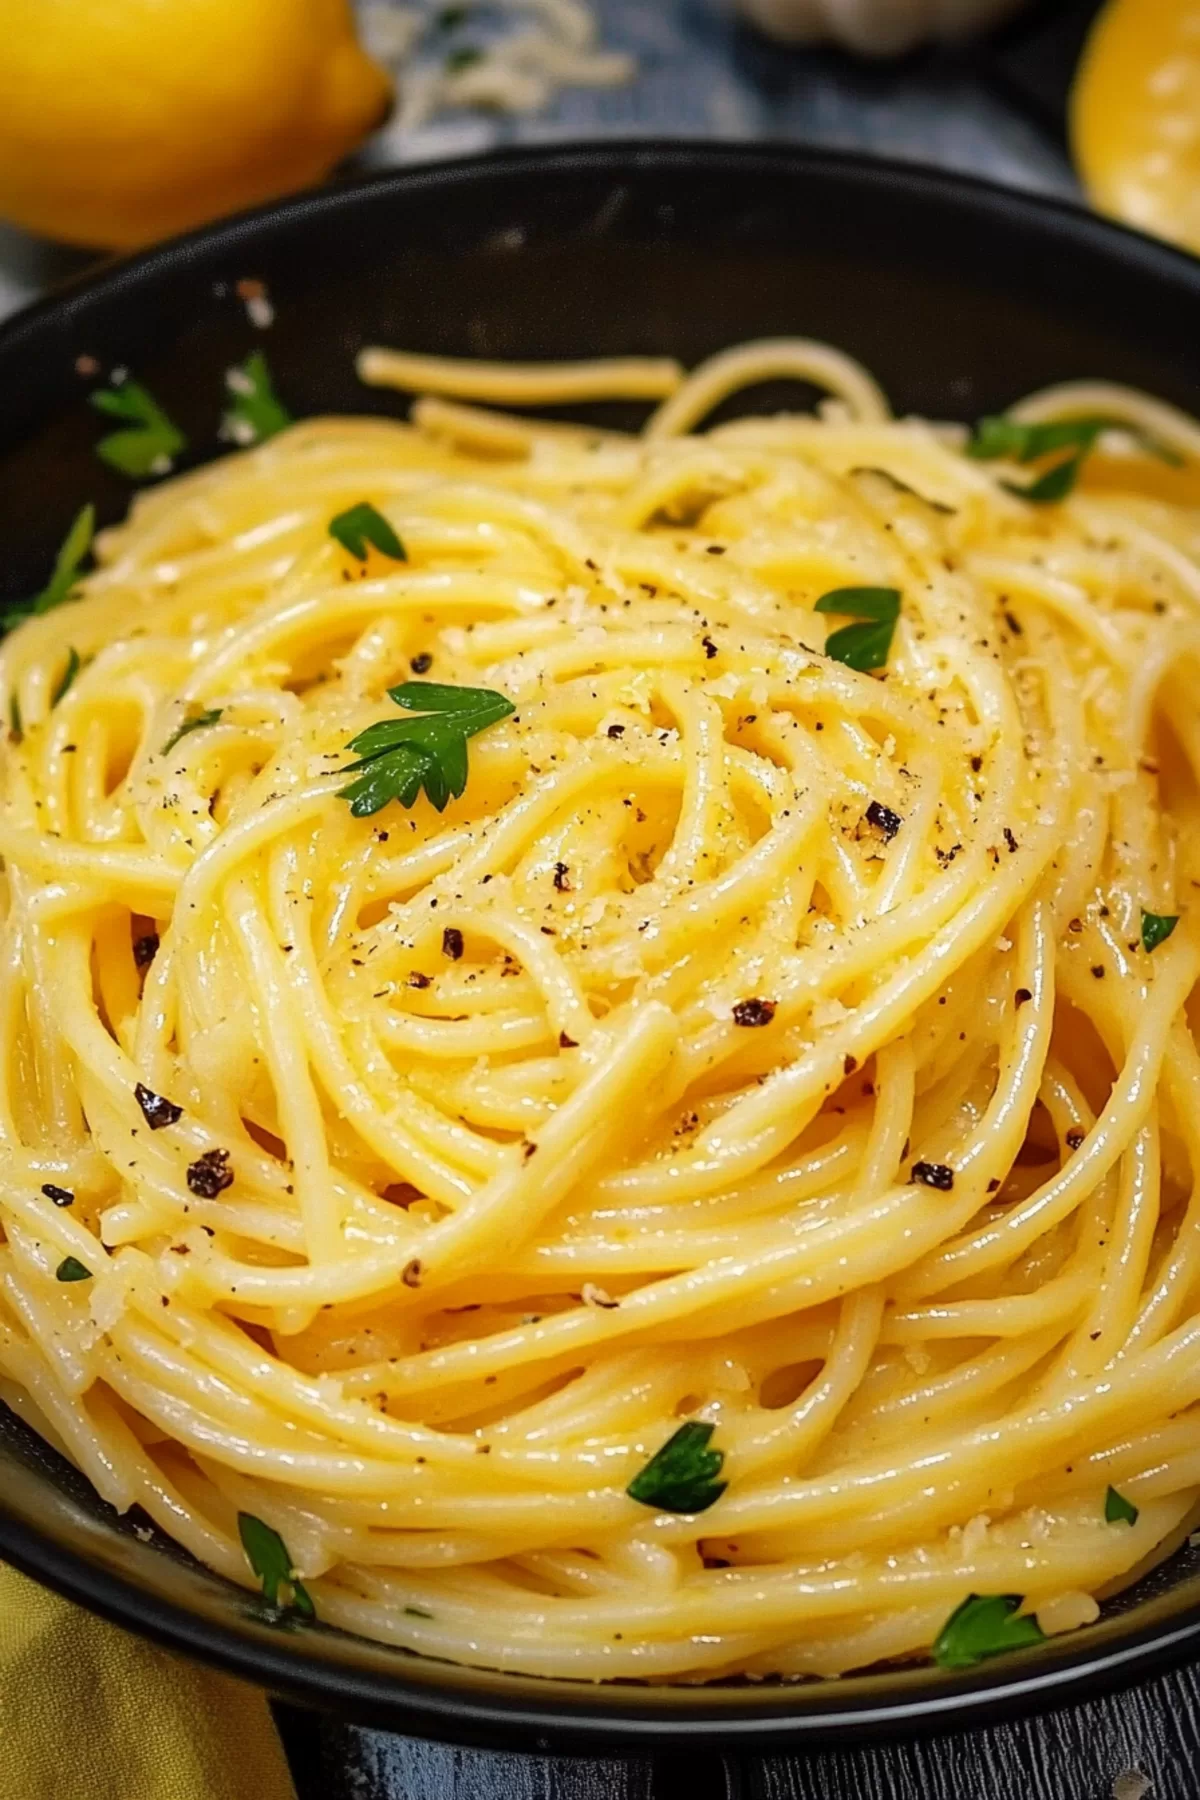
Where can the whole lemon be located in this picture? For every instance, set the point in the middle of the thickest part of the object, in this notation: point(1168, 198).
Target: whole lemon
point(1135, 116)
point(122, 121)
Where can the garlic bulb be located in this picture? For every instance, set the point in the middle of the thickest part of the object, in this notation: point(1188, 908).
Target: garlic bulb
point(874, 27)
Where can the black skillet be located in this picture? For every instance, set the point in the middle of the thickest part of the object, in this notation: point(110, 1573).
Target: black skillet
point(960, 297)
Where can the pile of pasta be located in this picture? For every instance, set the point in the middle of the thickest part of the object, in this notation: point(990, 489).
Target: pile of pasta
point(770, 1086)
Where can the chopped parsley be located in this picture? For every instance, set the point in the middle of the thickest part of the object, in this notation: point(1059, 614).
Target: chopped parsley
point(465, 57)
point(68, 675)
point(149, 444)
point(399, 757)
point(1118, 1510)
point(984, 1625)
point(682, 1476)
point(194, 722)
point(1022, 443)
point(64, 577)
point(71, 1269)
point(1157, 928)
point(255, 409)
point(268, 1556)
point(864, 646)
point(361, 525)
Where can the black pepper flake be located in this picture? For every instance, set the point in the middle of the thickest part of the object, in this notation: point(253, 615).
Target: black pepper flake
point(422, 663)
point(452, 942)
point(1010, 840)
point(145, 949)
point(1098, 971)
point(560, 878)
point(411, 1273)
point(530, 1150)
point(849, 1064)
point(210, 1174)
point(567, 1043)
point(993, 1184)
point(616, 731)
point(417, 980)
point(157, 1111)
point(884, 820)
point(1075, 1137)
point(1014, 624)
point(934, 1175)
point(1022, 995)
point(60, 1196)
point(710, 649)
point(977, 763)
point(754, 1012)
point(716, 549)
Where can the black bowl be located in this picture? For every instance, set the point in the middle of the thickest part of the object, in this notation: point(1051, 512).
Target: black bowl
point(960, 297)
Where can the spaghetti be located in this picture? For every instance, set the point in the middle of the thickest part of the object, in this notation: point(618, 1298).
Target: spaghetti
point(725, 1190)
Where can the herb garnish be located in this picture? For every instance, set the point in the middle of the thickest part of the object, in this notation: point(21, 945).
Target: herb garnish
point(682, 1476)
point(1157, 928)
point(68, 675)
point(399, 757)
point(255, 410)
point(984, 1625)
point(361, 525)
point(268, 1556)
point(418, 1612)
point(16, 730)
point(864, 646)
point(65, 575)
point(1118, 1510)
point(999, 436)
point(194, 722)
point(71, 1269)
point(151, 442)
point(463, 58)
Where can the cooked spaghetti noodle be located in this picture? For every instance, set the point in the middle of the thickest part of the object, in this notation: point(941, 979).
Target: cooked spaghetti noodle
point(759, 1041)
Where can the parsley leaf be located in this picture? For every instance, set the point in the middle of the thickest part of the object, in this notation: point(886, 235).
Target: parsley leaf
point(399, 757)
point(361, 525)
point(193, 723)
point(65, 575)
point(68, 675)
point(16, 729)
point(268, 1556)
point(1157, 928)
point(682, 1476)
point(863, 646)
point(71, 1269)
point(150, 444)
point(1118, 1510)
point(255, 411)
point(999, 436)
point(463, 58)
point(984, 1625)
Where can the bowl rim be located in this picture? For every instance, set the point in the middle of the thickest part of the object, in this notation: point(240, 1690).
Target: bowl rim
point(473, 1706)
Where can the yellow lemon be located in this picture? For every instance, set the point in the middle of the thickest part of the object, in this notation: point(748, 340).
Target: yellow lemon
point(122, 121)
point(1135, 116)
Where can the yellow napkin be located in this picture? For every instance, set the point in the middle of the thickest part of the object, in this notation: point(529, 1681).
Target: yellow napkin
point(88, 1712)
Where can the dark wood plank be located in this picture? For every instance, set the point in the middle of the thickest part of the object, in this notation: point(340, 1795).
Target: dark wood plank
point(1072, 1755)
